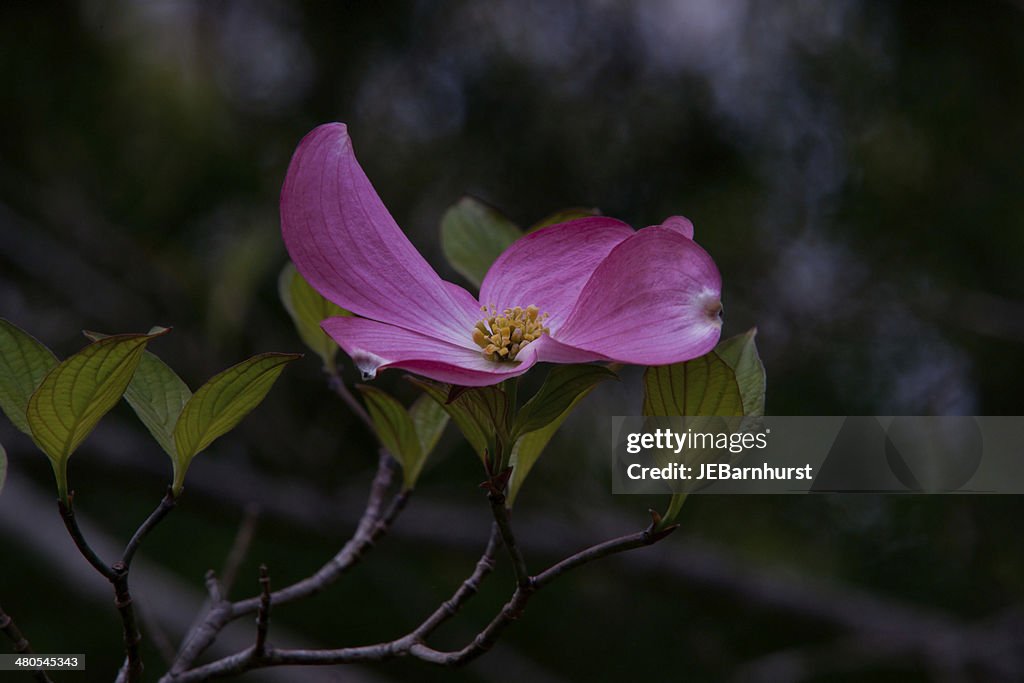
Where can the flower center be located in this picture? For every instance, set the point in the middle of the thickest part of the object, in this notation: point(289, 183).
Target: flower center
point(503, 336)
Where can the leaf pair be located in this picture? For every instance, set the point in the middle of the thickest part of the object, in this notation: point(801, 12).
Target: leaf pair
point(59, 404)
point(728, 381)
point(483, 414)
point(410, 435)
point(473, 235)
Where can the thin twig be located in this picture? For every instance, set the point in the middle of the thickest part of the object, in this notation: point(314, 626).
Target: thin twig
point(504, 524)
point(21, 644)
point(411, 645)
point(449, 608)
point(130, 628)
point(167, 504)
point(369, 531)
point(375, 522)
point(117, 575)
point(263, 613)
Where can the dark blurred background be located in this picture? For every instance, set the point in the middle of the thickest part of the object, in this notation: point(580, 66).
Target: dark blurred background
point(854, 168)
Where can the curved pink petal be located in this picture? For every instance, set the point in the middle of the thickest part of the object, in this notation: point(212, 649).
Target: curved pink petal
point(680, 224)
point(349, 248)
point(549, 350)
point(377, 346)
point(548, 268)
point(655, 300)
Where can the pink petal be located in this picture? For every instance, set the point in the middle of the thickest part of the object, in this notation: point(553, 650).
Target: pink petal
point(548, 268)
point(679, 224)
point(349, 248)
point(549, 350)
point(655, 300)
point(377, 346)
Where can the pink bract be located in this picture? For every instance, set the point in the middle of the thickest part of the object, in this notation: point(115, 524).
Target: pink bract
point(647, 297)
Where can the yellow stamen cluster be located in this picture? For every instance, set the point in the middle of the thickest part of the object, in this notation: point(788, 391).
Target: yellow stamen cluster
point(503, 336)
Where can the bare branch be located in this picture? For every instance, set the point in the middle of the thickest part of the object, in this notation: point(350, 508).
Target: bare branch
point(21, 644)
point(130, 629)
point(371, 528)
point(263, 614)
point(375, 522)
point(411, 645)
point(504, 524)
point(470, 587)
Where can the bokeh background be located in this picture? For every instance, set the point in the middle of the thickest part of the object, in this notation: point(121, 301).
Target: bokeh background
point(854, 168)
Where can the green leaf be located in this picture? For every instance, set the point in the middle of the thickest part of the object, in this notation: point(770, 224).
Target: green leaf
point(740, 354)
point(157, 395)
point(466, 418)
point(3, 467)
point(24, 361)
point(430, 419)
point(473, 235)
point(78, 392)
point(560, 390)
point(531, 445)
point(396, 431)
point(489, 405)
point(563, 216)
point(307, 309)
point(727, 382)
point(220, 404)
point(675, 504)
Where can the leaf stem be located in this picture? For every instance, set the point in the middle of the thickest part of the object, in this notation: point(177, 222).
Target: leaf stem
point(167, 504)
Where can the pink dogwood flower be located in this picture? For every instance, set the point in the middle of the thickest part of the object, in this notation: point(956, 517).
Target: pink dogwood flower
point(591, 289)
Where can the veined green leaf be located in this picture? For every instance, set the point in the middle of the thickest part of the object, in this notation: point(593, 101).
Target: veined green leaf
point(727, 382)
point(220, 404)
point(560, 389)
point(307, 309)
point(563, 216)
point(702, 386)
point(473, 235)
point(430, 420)
point(740, 354)
point(157, 395)
point(489, 406)
point(24, 361)
point(531, 445)
point(396, 431)
point(72, 398)
point(465, 418)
